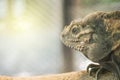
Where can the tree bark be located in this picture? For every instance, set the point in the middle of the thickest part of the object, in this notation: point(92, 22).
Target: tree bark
point(82, 75)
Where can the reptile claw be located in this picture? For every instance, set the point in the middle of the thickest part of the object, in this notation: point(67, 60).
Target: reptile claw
point(95, 70)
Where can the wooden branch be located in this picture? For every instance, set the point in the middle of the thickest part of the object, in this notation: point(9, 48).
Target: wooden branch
point(64, 76)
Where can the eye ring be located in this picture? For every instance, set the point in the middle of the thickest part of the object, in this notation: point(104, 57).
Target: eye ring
point(75, 30)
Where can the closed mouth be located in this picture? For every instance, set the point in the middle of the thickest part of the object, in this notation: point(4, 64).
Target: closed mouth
point(75, 44)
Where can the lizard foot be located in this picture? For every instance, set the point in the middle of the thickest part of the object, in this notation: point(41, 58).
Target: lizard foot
point(95, 70)
point(113, 66)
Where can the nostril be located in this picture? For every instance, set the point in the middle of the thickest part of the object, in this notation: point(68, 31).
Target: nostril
point(63, 35)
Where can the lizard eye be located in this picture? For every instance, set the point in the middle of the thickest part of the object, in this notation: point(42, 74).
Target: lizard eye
point(75, 30)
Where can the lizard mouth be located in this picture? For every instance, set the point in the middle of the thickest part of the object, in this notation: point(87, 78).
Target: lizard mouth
point(81, 46)
point(76, 44)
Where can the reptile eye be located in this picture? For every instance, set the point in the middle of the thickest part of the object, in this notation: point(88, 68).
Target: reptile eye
point(75, 30)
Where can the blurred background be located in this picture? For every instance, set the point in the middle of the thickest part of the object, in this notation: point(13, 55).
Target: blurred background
point(30, 35)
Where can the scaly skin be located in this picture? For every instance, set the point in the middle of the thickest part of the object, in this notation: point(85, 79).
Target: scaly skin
point(97, 36)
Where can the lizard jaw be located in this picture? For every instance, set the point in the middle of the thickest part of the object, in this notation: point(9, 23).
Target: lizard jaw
point(75, 44)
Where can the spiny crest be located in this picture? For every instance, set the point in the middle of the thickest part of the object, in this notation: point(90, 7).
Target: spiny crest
point(111, 15)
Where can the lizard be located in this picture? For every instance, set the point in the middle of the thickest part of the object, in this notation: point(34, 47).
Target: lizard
point(97, 36)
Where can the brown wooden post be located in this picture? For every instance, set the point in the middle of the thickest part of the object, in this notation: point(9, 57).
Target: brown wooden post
point(67, 52)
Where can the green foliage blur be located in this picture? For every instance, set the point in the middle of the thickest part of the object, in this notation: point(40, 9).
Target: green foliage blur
point(91, 2)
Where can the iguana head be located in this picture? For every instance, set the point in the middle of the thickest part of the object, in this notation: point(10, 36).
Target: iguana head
point(88, 36)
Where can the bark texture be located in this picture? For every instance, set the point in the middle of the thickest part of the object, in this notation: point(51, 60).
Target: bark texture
point(82, 75)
